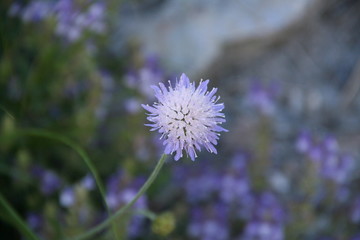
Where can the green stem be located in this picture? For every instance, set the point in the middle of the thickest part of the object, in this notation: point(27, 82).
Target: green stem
point(122, 210)
point(6, 111)
point(83, 155)
point(146, 213)
point(16, 220)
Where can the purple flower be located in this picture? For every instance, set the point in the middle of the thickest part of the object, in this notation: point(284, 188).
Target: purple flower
point(268, 207)
point(355, 210)
point(72, 22)
point(142, 80)
point(187, 117)
point(209, 225)
point(263, 230)
point(49, 181)
point(120, 193)
point(67, 197)
point(337, 167)
point(331, 163)
point(202, 184)
point(36, 11)
point(95, 18)
point(316, 152)
point(132, 105)
point(355, 237)
point(263, 97)
point(304, 142)
point(235, 184)
point(330, 144)
point(136, 226)
point(266, 218)
point(88, 182)
point(34, 220)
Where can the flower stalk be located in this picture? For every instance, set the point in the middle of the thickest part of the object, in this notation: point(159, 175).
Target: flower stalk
point(125, 208)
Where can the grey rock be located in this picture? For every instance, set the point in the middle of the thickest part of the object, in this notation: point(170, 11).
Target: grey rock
point(188, 35)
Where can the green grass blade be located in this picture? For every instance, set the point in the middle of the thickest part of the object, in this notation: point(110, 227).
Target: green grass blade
point(80, 151)
point(7, 112)
point(16, 221)
point(125, 208)
point(74, 146)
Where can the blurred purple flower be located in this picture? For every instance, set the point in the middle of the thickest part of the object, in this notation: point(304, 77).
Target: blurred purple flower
point(263, 230)
point(355, 210)
point(265, 218)
point(330, 144)
point(34, 220)
point(211, 225)
point(136, 226)
point(202, 184)
point(132, 105)
point(233, 188)
point(119, 194)
point(269, 207)
point(95, 18)
point(71, 21)
point(316, 153)
point(49, 181)
point(36, 11)
point(331, 163)
point(303, 142)
point(142, 80)
point(355, 237)
point(263, 97)
point(280, 182)
point(88, 182)
point(343, 193)
point(67, 197)
point(337, 167)
point(235, 183)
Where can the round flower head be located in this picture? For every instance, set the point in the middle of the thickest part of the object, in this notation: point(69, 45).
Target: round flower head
point(187, 117)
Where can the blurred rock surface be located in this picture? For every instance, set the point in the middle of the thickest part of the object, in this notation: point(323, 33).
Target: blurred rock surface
point(188, 35)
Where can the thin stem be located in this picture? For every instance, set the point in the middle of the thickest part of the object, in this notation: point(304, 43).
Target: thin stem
point(147, 213)
point(16, 220)
point(83, 155)
point(122, 210)
point(7, 112)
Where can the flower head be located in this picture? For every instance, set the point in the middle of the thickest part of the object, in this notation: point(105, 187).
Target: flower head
point(187, 117)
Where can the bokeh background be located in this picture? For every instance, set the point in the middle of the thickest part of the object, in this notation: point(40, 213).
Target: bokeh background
point(287, 71)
